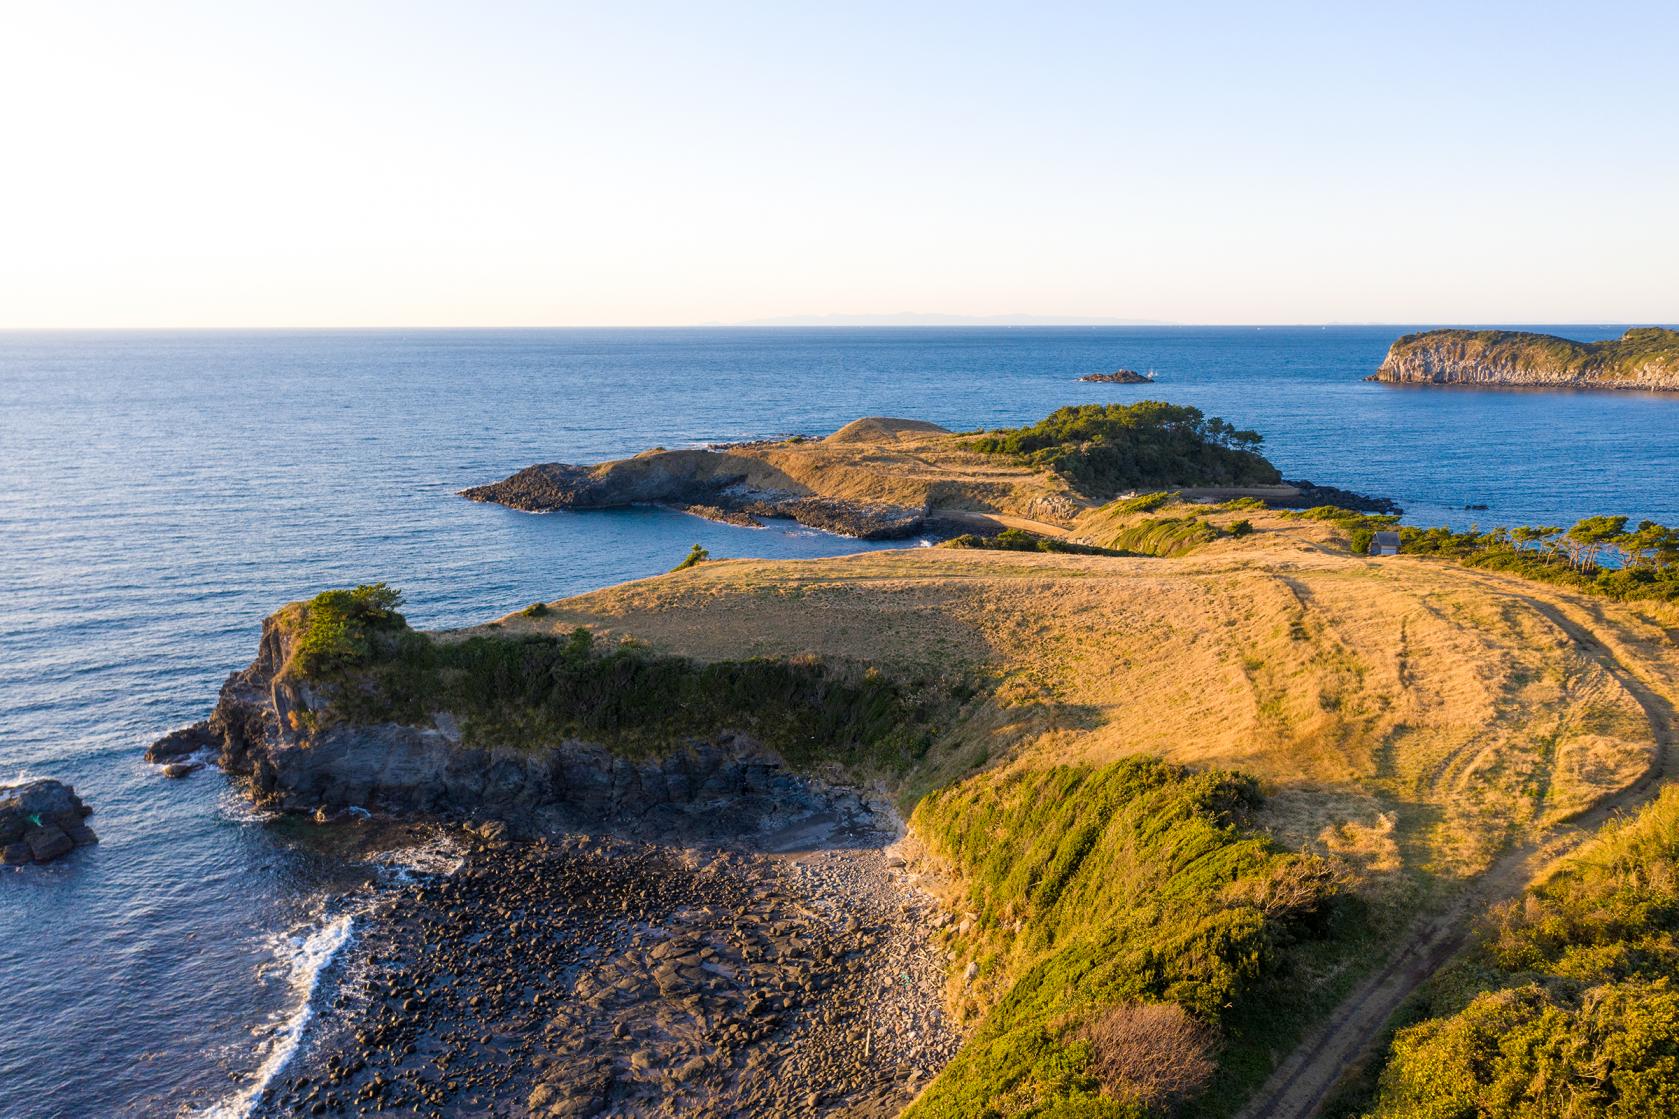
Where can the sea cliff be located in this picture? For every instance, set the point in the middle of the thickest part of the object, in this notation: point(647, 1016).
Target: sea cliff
point(1644, 358)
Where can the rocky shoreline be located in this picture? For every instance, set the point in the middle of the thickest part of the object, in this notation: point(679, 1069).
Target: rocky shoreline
point(705, 483)
point(587, 975)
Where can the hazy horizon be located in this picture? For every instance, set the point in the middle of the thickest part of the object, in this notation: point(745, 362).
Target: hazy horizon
point(195, 165)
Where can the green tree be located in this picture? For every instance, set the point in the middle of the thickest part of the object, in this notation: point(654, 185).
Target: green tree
point(696, 555)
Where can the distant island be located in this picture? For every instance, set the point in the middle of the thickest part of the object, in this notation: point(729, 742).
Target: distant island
point(1643, 358)
point(1118, 377)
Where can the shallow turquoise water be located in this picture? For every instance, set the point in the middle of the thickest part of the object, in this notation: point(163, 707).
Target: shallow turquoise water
point(160, 493)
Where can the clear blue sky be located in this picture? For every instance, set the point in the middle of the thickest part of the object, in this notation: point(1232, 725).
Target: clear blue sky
point(393, 164)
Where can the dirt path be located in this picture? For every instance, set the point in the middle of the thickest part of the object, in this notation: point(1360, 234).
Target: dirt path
point(1304, 1081)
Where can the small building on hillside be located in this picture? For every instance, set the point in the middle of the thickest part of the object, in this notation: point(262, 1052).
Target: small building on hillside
point(1384, 544)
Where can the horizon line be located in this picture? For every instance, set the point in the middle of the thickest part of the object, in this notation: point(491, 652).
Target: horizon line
point(817, 325)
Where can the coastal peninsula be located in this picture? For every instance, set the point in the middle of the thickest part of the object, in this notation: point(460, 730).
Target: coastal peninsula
point(1645, 358)
point(1121, 814)
point(881, 478)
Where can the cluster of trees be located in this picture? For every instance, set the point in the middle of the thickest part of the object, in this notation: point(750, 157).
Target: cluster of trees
point(1600, 554)
point(1107, 449)
point(1019, 540)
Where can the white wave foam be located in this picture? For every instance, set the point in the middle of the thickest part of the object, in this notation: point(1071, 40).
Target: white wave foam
point(303, 956)
point(439, 855)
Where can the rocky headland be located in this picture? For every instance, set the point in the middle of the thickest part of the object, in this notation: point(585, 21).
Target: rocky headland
point(874, 479)
point(879, 478)
point(40, 821)
point(1645, 358)
point(679, 919)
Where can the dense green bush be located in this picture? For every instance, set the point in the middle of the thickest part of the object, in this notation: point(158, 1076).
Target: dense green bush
point(1599, 555)
point(1164, 536)
point(340, 628)
point(1569, 1004)
point(1134, 883)
point(1018, 540)
point(1107, 449)
point(535, 690)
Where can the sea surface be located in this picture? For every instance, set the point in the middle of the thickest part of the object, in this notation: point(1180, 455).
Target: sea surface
point(161, 492)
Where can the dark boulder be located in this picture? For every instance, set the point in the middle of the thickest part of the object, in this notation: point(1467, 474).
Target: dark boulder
point(48, 843)
point(180, 743)
point(41, 820)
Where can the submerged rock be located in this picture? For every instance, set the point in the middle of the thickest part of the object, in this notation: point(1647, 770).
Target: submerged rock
point(40, 821)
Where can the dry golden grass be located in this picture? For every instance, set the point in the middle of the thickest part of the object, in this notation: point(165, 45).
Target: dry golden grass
point(1402, 710)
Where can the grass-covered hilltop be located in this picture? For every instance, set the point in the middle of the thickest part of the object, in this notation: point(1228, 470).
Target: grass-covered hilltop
point(1642, 358)
point(1225, 815)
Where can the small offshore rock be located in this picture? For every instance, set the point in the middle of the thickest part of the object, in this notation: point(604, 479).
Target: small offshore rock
point(41, 820)
point(181, 769)
point(180, 743)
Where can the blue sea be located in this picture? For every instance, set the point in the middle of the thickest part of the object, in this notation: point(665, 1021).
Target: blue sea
point(161, 492)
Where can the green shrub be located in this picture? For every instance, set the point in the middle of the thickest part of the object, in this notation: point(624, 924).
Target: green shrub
point(1018, 540)
point(339, 628)
point(1164, 536)
point(1095, 888)
point(1142, 503)
point(535, 610)
point(696, 555)
point(536, 690)
point(1569, 1003)
point(1241, 528)
point(1107, 449)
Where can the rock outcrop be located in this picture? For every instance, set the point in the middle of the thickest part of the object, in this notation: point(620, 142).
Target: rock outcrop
point(1118, 377)
point(1644, 358)
point(40, 821)
point(877, 478)
point(272, 730)
point(720, 485)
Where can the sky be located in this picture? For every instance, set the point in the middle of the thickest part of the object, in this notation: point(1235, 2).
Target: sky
point(503, 164)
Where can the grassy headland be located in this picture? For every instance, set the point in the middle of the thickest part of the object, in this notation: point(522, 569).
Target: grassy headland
point(1188, 767)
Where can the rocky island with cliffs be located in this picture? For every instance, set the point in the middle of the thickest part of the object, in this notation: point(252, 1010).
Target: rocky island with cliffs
point(1643, 358)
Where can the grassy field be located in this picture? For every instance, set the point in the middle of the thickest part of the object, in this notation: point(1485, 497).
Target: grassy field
point(1182, 802)
point(1403, 713)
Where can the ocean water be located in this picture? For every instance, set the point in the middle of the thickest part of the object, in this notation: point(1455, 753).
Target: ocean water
point(161, 492)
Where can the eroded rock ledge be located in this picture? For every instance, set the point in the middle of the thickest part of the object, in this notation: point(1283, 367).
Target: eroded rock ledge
point(1644, 358)
point(276, 729)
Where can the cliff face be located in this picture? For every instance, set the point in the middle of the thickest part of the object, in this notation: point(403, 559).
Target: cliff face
point(272, 729)
point(1643, 358)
